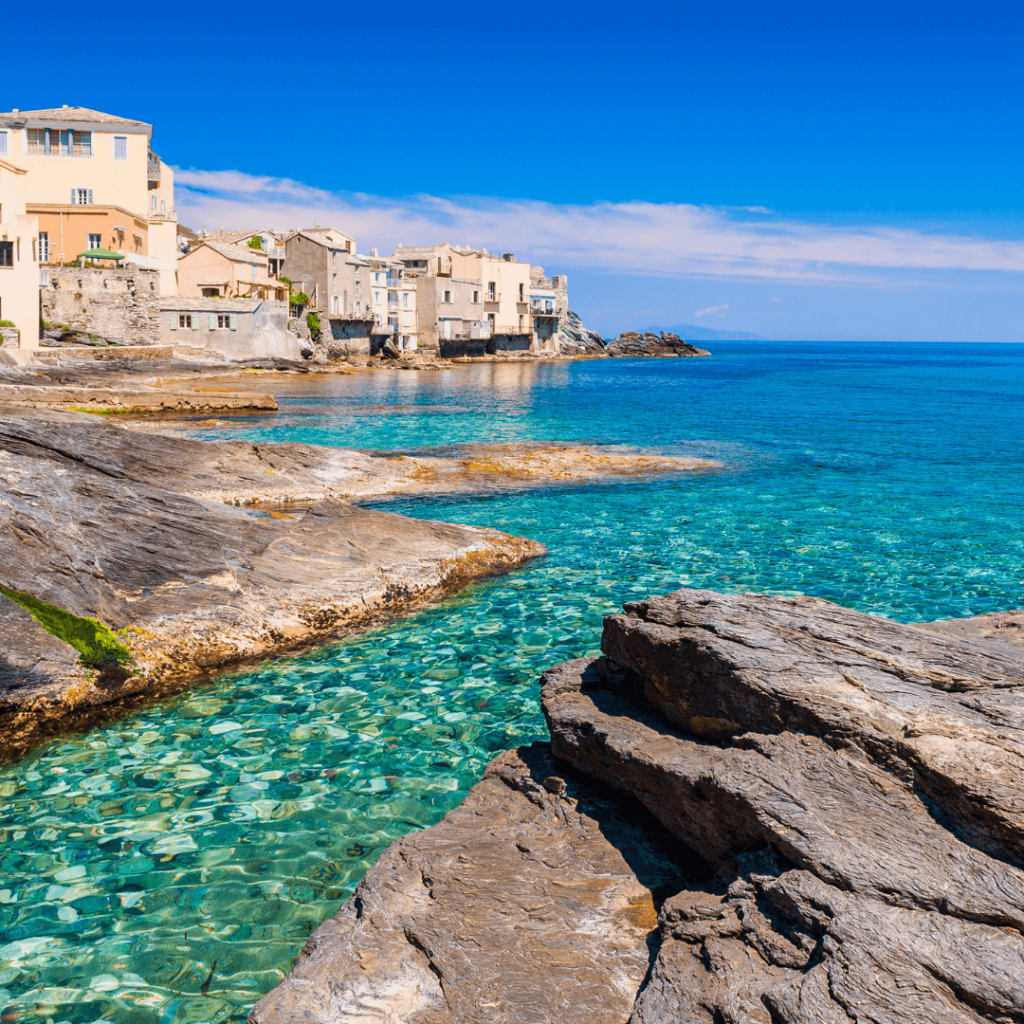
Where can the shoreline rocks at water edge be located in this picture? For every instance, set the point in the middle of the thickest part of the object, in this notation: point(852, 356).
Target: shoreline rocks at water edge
point(752, 808)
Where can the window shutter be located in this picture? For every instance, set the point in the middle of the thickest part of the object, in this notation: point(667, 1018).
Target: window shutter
point(90, 197)
point(73, 191)
point(234, 321)
point(174, 321)
point(213, 321)
point(194, 323)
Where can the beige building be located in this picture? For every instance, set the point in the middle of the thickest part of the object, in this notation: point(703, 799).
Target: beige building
point(270, 242)
point(219, 270)
point(94, 180)
point(19, 263)
point(470, 301)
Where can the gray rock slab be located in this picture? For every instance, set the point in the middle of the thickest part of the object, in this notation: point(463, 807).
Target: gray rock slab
point(532, 901)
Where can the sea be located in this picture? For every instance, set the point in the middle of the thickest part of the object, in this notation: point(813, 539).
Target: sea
point(169, 866)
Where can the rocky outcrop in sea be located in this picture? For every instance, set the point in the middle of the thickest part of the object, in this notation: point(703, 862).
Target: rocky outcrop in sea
point(752, 808)
point(632, 344)
point(577, 340)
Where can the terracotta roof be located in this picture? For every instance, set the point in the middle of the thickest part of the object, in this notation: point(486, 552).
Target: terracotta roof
point(77, 115)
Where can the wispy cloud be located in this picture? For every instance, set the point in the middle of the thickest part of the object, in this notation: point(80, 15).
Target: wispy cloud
point(713, 311)
point(634, 237)
point(775, 300)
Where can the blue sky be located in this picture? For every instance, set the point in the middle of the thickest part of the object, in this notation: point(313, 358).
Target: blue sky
point(825, 170)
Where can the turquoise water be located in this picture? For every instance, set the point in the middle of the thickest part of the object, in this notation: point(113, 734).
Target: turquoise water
point(169, 867)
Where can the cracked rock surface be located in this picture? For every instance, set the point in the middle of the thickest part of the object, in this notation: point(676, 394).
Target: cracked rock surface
point(842, 806)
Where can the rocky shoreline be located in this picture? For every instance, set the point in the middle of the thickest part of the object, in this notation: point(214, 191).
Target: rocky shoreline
point(189, 556)
point(752, 809)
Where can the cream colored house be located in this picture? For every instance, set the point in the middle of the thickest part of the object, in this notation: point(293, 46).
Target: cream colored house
point(469, 301)
point(19, 264)
point(219, 270)
point(94, 181)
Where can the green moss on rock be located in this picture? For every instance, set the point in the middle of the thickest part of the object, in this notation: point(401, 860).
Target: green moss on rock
point(95, 642)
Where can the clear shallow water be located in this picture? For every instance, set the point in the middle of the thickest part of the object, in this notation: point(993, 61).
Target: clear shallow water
point(169, 867)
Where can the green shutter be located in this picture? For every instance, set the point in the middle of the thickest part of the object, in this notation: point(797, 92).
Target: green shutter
point(234, 321)
point(213, 321)
point(174, 321)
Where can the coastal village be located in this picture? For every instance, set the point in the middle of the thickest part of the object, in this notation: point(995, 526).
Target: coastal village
point(92, 255)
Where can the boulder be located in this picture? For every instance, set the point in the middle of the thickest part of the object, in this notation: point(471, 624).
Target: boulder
point(632, 345)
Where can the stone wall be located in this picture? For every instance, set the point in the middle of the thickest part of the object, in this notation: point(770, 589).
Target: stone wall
point(119, 305)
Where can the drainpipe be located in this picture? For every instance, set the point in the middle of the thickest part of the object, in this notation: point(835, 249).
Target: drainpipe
point(62, 238)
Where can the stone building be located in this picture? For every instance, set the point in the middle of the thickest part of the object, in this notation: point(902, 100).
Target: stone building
point(94, 180)
point(234, 329)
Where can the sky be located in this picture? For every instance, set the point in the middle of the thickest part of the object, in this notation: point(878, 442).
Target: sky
point(816, 171)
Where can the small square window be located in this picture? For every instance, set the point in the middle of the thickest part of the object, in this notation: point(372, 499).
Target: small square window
point(224, 321)
point(185, 320)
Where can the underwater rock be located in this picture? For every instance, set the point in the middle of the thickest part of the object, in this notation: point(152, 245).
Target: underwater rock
point(843, 794)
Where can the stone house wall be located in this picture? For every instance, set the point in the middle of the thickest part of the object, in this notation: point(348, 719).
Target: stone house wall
point(119, 305)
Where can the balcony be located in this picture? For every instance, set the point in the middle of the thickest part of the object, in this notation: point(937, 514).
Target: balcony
point(384, 329)
point(153, 167)
point(545, 309)
point(494, 296)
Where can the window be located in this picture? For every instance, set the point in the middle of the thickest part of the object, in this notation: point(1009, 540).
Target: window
point(95, 241)
point(185, 321)
point(255, 271)
point(490, 321)
point(120, 147)
point(357, 288)
point(392, 298)
point(6, 254)
point(446, 297)
point(81, 197)
point(211, 293)
point(224, 321)
point(376, 298)
point(334, 259)
point(334, 303)
point(376, 277)
point(492, 291)
point(44, 246)
point(51, 142)
point(405, 300)
point(476, 295)
point(521, 299)
point(152, 203)
point(334, 282)
point(3, 144)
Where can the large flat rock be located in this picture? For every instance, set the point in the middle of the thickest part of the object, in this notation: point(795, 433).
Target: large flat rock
point(90, 523)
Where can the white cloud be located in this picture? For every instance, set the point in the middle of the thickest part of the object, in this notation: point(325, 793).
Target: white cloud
point(775, 300)
point(672, 239)
point(713, 311)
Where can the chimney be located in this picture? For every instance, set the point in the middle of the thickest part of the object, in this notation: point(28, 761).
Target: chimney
point(373, 252)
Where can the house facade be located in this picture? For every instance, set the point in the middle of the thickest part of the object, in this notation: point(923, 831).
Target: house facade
point(234, 329)
point(19, 262)
point(219, 270)
point(268, 241)
point(469, 301)
point(94, 178)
